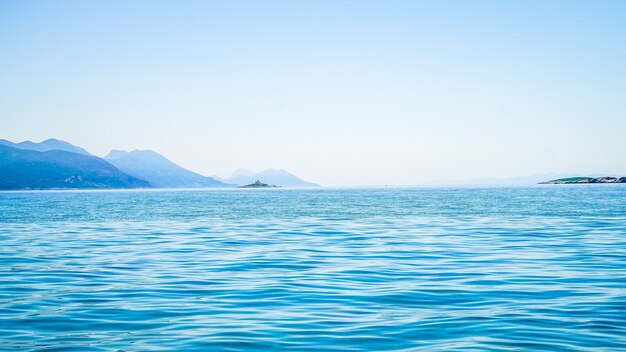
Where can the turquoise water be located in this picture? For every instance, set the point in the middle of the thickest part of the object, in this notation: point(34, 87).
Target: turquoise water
point(433, 269)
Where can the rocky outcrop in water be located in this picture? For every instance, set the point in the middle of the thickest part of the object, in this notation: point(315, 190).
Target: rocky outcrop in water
point(277, 177)
point(258, 184)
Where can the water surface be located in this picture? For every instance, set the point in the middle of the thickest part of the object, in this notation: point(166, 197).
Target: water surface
point(434, 269)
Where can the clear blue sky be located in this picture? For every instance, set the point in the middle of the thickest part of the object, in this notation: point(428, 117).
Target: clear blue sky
point(338, 92)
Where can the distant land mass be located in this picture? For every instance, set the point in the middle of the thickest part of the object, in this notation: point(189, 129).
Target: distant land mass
point(584, 180)
point(56, 164)
point(509, 181)
point(158, 170)
point(278, 177)
point(59, 169)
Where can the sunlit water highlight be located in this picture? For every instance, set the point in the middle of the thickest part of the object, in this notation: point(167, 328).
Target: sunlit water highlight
point(439, 269)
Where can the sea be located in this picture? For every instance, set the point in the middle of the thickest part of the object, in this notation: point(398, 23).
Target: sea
point(539, 268)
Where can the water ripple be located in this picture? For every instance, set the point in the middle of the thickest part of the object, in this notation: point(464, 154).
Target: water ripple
point(389, 283)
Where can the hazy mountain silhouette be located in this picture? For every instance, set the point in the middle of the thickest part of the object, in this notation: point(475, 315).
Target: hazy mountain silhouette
point(30, 169)
point(215, 177)
point(48, 144)
point(241, 177)
point(139, 168)
point(158, 170)
point(279, 177)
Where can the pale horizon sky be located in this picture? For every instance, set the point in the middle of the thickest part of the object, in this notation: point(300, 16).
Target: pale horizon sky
point(337, 92)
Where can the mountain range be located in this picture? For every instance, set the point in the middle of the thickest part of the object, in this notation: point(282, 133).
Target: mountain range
point(56, 164)
point(31, 169)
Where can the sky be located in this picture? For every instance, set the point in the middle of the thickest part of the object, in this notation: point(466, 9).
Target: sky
point(338, 92)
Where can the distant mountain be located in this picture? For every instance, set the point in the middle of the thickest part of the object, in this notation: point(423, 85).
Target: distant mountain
point(158, 170)
point(215, 177)
point(241, 177)
point(49, 144)
point(30, 169)
point(279, 177)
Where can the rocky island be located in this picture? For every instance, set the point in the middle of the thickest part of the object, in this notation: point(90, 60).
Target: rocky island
point(575, 180)
point(258, 184)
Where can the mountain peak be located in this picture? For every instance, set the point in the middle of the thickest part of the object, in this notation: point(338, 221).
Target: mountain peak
point(116, 154)
point(145, 152)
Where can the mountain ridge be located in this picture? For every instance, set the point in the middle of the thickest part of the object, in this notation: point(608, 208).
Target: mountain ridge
point(60, 169)
point(158, 170)
point(47, 145)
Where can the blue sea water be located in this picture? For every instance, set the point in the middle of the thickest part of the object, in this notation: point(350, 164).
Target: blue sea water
point(434, 269)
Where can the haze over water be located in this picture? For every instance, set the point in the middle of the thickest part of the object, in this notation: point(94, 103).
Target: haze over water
point(482, 269)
